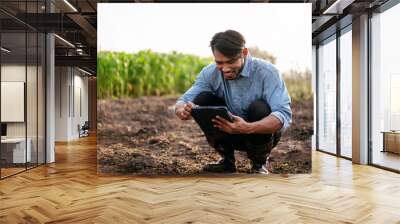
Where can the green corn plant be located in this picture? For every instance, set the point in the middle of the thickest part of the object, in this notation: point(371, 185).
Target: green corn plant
point(146, 72)
point(150, 73)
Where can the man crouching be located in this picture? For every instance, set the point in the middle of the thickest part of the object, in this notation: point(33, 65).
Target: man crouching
point(254, 93)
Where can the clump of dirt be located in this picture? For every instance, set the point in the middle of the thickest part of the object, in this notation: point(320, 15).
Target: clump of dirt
point(143, 136)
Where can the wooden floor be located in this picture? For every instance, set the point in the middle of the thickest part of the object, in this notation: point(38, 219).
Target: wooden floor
point(70, 191)
point(10, 171)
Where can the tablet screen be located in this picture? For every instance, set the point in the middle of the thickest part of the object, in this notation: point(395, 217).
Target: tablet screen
point(203, 115)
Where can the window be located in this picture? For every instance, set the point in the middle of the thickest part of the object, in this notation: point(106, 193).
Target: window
point(346, 93)
point(327, 96)
point(23, 77)
point(385, 88)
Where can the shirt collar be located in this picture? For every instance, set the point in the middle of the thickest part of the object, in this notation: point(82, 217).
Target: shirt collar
point(246, 69)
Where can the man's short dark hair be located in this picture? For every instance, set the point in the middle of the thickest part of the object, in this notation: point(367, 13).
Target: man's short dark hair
point(230, 43)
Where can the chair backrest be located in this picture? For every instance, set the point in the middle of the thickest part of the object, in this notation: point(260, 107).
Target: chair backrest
point(86, 125)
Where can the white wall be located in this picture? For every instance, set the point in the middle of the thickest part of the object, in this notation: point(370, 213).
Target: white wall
point(79, 117)
point(33, 126)
point(70, 83)
point(62, 81)
point(12, 73)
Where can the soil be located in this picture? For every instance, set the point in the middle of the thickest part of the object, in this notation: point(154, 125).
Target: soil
point(143, 136)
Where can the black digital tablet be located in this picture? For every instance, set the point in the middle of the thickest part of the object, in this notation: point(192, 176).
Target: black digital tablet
point(203, 115)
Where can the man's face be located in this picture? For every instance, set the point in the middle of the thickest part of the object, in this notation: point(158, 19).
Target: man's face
point(230, 67)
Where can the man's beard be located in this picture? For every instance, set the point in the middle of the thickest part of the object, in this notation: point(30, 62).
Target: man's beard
point(236, 73)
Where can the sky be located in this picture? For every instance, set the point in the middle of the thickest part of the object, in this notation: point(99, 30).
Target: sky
point(281, 29)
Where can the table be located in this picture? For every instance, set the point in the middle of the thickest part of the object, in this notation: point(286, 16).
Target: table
point(15, 148)
point(391, 141)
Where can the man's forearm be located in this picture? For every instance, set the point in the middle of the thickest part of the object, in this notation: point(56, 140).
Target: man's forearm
point(267, 125)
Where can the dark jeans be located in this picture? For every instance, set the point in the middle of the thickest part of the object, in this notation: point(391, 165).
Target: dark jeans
point(257, 146)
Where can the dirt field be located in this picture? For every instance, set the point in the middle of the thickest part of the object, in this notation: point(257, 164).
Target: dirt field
point(141, 136)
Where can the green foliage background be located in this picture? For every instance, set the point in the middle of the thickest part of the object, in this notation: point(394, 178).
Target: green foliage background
point(121, 75)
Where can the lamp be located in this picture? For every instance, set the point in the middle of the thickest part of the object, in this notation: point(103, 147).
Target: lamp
point(5, 50)
point(64, 40)
point(71, 6)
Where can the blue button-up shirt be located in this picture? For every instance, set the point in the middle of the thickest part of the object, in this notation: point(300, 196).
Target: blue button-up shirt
point(258, 79)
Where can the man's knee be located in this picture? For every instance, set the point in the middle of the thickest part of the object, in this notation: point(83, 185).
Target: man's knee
point(208, 99)
point(257, 110)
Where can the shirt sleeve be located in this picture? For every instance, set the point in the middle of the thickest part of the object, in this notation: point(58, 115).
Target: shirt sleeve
point(200, 85)
point(277, 96)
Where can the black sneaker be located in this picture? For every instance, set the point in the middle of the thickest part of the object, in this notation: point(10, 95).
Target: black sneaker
point(221, 167)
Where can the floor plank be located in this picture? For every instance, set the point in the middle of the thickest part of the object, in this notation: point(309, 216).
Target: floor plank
point(71, 191)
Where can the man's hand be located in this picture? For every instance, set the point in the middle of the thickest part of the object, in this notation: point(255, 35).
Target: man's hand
point(238, 126)
point(183, 110)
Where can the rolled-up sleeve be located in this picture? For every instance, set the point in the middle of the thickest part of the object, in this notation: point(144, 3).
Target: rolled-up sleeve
point(277, 96)
point(200, 85)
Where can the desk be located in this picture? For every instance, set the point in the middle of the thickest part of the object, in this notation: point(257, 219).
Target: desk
point(15, 148)
point(391, 141)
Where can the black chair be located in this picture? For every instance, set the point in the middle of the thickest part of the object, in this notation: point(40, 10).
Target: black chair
point(84, 130)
